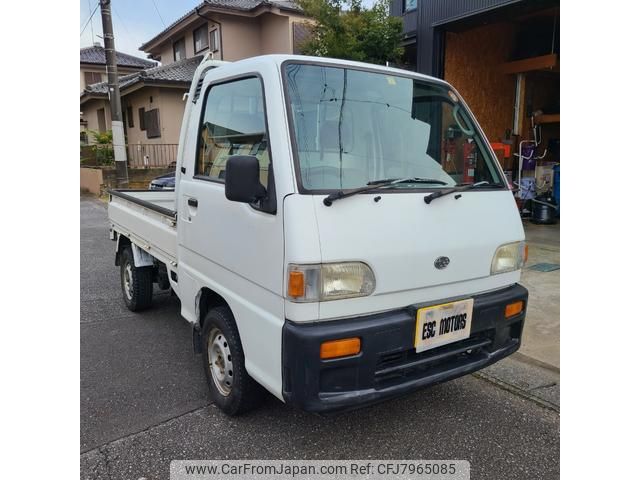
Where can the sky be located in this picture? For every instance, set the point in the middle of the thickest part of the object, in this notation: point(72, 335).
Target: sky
point(134, 21)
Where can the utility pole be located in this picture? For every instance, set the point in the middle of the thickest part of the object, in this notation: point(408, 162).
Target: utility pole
point(117, 126)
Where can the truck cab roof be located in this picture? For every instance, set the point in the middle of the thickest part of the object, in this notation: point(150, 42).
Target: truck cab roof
point(279, 59)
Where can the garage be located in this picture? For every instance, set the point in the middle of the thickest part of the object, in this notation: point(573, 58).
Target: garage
point(504, 58)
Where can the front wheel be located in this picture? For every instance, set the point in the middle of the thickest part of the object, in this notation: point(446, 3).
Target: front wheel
point(136, 282)
point(232, 389)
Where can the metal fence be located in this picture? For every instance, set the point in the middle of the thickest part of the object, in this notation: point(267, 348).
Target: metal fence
point(138, 155)
point(152, 155)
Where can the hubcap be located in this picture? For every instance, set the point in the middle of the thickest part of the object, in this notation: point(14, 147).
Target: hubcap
point(127, 277)
point(220, 362)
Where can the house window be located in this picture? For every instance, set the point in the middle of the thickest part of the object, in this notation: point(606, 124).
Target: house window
point(179, 50)
point(152, 123)
point(214, 36)
point(130, 117)
point(102, 124)
point(300, 32)
point(141, 118)
point(92, 77)
point(410, 5)
point(200, 40)
point(233, 124)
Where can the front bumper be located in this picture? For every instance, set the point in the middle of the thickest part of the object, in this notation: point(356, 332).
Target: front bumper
point(388, 365)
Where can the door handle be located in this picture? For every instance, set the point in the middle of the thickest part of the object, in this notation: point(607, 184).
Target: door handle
point(193, 202)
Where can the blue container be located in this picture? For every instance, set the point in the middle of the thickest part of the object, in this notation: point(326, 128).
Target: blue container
point(556, 185)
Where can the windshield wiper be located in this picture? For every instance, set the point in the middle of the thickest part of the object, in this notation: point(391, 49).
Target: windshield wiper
point(483, 184)
point(408, 180)
point(459, 188)
point(374, 184)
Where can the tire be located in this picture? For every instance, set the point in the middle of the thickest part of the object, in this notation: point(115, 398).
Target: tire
point(136, 282)
point(232, 389)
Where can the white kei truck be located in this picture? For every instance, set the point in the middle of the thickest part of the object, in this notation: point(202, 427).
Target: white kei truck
point(339, 234)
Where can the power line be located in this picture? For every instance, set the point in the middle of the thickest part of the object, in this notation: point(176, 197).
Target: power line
point(158, 12)
point(89, 20)
point(126, 30)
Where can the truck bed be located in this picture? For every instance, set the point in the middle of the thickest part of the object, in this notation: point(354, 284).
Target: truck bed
point(148, 219)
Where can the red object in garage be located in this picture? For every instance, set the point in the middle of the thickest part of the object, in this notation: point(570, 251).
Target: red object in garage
point(469, 154)
point(505, 147)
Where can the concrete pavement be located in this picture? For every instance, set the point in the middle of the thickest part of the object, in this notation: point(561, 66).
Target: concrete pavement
point(144, 400)
point(541, 339)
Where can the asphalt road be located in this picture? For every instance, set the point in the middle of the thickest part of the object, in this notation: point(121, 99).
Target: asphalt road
point(144, 401)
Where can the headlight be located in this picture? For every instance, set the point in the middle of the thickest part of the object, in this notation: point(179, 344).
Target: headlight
point(329, 281)
point(509, 257)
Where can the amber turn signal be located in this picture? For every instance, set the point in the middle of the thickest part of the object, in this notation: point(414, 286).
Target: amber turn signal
point(296, 284)
point(513, 309)
point(340, 348)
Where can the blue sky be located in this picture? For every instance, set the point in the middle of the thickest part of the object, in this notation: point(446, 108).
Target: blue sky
point(135, 21)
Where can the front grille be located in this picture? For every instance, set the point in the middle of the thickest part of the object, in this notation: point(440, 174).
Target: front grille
point(396, 367)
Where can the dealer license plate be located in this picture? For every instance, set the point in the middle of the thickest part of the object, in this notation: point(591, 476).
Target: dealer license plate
point(442, 324)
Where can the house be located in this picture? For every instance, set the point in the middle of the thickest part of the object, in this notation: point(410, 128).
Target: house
point(503, 56)
point(152, 99)
point(152, 109)
point(93, 65)
point(231, 29)
point(93, 69)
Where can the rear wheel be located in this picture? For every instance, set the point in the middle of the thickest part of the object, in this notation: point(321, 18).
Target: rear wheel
point(232, 389)
point(136, 282)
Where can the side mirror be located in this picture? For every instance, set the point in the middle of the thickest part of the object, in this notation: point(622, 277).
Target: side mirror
point(242, 179)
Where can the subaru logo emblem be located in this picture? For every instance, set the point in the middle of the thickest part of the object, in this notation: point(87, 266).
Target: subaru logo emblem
point(441, 262)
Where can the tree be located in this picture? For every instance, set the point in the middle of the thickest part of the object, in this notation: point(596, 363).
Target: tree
point(344, 29)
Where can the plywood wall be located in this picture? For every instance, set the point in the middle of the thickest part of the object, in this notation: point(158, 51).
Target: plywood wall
point(471, 61)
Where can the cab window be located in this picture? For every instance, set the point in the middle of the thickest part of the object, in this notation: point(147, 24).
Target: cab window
point(233, 123)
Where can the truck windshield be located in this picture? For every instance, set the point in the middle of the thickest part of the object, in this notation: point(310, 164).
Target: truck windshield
point(353, 127)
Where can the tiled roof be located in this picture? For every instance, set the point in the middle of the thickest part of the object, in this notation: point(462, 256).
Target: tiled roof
point(178, 73)
point(95, 55)
point(240, 5)
point(251, 4)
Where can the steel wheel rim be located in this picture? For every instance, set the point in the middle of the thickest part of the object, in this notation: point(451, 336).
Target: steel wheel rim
point(127, 279)
point(220, 362)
